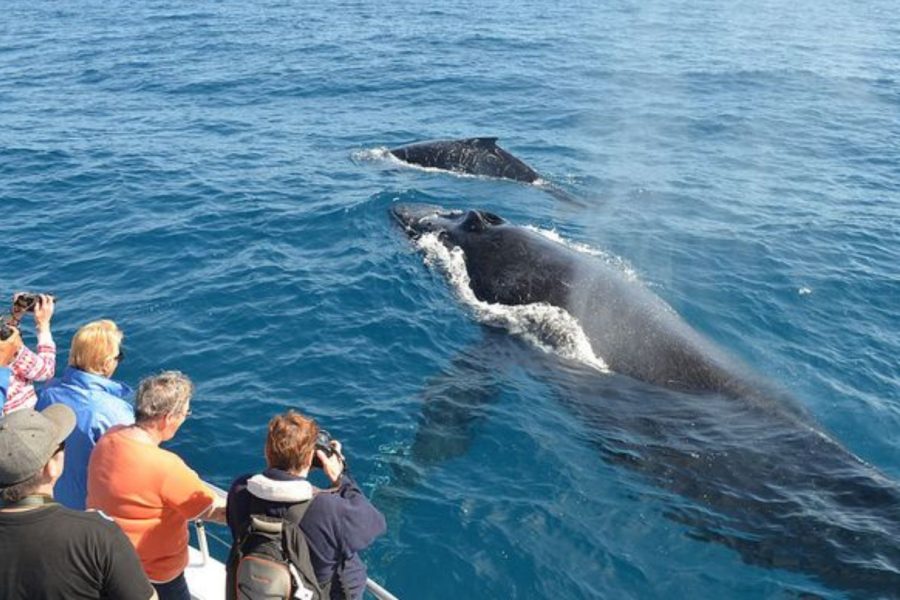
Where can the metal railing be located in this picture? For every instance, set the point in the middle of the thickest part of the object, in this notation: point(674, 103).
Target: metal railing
point(371, 586)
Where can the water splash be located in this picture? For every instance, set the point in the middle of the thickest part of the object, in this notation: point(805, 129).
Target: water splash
point(550, 328)
point(373, 154)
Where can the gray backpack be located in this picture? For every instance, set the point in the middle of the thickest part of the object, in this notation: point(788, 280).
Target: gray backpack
point(271, 561)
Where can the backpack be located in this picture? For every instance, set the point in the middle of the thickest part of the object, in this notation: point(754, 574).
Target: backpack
point(271, 560)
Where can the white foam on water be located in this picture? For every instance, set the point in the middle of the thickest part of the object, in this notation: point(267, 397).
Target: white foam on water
point(550, 328)
point(614, 261)
point(380, 153)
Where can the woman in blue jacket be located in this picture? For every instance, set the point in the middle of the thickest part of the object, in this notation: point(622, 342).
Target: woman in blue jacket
point(98, 401)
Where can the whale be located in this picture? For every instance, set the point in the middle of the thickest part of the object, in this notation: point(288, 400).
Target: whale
point(472, 156)
point(762, 477)
point(635, 331)
point(480, 156)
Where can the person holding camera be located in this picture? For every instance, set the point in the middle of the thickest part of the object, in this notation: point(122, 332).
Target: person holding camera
point(337, 523)
point(27, 366)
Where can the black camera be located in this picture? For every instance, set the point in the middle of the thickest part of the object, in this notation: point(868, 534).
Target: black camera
point(23, 302)
point(26, 301)
point(6, 329)
point(323, 443)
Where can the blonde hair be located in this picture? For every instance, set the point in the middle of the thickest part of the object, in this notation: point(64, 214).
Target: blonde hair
point(161, 395)
point(94, 345)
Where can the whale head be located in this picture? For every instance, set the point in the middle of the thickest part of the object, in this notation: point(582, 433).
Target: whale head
point(505, 263)
point(450, 224)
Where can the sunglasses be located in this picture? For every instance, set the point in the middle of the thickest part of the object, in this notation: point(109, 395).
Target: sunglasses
point(121, 355)
point(60, 448)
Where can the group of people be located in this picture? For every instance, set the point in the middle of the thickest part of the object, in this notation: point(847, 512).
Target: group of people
point(80, 443)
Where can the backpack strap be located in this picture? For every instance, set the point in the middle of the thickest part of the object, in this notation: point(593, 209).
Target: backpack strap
point(295, 546)
point(339, 570)
point(293, 516)
point(296, 513)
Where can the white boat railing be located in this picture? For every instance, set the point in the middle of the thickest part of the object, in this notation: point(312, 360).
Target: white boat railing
point(371, 586)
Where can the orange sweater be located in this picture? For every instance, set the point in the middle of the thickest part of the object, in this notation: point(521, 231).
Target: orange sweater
point(152, 494)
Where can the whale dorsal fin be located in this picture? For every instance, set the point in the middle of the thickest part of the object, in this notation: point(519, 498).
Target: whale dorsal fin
point(483, 142)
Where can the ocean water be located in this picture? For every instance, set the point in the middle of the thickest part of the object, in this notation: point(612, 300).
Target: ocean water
point(212, 176)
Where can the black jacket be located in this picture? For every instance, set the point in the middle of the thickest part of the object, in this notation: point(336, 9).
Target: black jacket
point(337, 524)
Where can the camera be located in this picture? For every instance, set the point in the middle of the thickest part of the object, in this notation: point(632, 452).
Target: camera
point(26, 301)
point(323, 443)
point(6, 329)
point(23, 302)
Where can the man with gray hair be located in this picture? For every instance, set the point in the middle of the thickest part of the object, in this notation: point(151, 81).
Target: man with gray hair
point(150, 491)
point(161, 395)
point(49, 551)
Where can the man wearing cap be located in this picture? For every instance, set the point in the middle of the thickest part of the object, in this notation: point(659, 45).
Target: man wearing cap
point(48, 551)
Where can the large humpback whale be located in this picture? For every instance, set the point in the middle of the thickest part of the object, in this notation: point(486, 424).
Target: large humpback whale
point(474, 156)
point(632, 329)
point(767, 481)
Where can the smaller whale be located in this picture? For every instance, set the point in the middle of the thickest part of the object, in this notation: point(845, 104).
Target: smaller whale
point(474, 156)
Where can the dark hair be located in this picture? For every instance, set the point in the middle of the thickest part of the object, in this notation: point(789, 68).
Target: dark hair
point(291, 441)
point(17, 491)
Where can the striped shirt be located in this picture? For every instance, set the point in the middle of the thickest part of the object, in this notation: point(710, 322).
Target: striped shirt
point(28, 367)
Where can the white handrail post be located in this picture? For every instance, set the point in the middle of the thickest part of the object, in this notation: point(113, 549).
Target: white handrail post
point(378, 591)
point(201, 540)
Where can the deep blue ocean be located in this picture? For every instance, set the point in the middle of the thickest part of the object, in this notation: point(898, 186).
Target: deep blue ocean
point(212, 176)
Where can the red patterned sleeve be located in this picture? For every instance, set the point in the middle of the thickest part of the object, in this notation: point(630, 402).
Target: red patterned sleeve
point(36, 367)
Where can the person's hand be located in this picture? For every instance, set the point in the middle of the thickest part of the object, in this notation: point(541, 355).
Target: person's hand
point(332, 465)
point(9, 348)
point(43, 312)
point(216, 511)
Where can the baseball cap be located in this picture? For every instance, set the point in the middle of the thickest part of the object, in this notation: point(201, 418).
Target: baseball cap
point(29, 438)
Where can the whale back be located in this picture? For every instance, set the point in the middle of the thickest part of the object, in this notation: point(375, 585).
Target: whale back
point(510, 265)
point(632, 329)
point(473, 156)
